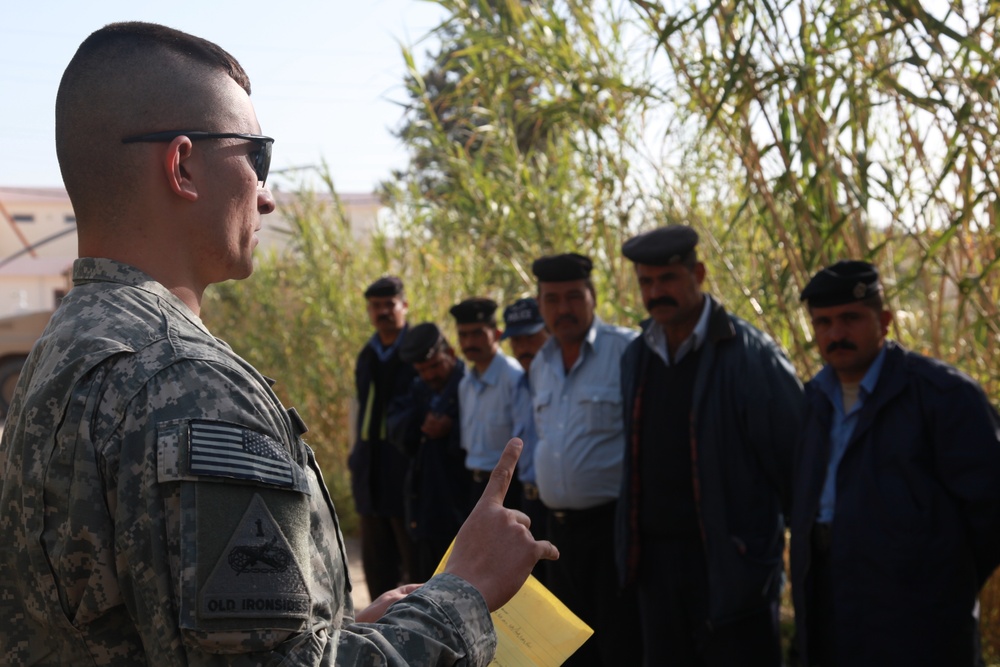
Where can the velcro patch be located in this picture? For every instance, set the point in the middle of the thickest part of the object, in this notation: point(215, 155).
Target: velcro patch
point(224, 450)
point(257, 575)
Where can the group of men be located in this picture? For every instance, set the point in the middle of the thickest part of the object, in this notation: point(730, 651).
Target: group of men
point(161, 507)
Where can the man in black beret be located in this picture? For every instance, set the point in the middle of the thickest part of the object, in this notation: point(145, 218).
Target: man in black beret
point(577, 405)
point(712, 409)
point(424, 423)
point(896, 521)
point(377, 468)
point(491, 398)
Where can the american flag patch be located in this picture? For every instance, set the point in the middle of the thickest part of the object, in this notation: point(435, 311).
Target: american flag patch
point(230, 451)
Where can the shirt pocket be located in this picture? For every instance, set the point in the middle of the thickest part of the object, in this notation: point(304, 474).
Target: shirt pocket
point(602, 408)
point(240, 529)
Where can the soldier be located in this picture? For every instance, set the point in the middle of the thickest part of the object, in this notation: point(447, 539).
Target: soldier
point(157, 501)
point(424, 423)
point(377, 468)
point(491, 398)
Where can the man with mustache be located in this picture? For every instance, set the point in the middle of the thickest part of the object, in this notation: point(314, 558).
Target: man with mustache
point(377, 468)
point(524, 329)
point(577, 404)
point(424, 424)
point(896, 521)
point(491, 399)
point(712, 408)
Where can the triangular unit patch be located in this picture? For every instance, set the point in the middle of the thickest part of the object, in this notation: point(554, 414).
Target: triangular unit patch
point(257, 575)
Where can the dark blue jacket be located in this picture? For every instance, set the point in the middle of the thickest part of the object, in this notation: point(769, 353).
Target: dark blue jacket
point(377, 468)
point(746, 414)
point(437, 487)
point(916, 528)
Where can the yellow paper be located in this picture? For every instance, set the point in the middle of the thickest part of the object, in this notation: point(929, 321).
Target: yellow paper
point(534, 627)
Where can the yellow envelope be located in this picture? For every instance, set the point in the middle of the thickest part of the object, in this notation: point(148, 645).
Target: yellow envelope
point(534, 627)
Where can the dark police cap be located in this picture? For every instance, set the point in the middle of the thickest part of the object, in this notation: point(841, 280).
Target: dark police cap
point(385, 286)
point(661, 246)
point(844, 282)
point(522, 318)
point(420, 343)
point(474, 310)
point(562, 268)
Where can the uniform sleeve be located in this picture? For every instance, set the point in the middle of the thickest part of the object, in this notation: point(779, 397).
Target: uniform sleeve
point(402, 430)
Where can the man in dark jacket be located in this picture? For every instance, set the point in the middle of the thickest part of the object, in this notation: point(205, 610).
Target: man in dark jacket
point(896, 521)
point(377, 468)
point(424, 423)
point(712, 409)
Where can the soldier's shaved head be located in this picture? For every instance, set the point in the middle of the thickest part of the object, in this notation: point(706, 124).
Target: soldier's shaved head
point(128, 79)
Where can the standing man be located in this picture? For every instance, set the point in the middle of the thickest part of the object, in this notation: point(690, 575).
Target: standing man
point(377, 468)
point(490, 396)
point(712, 410)
point(157, 502)
point(896, 523)
point(524, 329)
point(424, 423)
point(578, 413)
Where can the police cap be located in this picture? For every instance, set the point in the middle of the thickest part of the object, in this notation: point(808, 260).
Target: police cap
point(385, 286)
point(475, 310)
point(420, 343)
point(562, 268)
point(662, 246)
point(844, 282)
point(522, 318)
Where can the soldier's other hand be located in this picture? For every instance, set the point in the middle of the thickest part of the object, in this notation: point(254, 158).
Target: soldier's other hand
point(377, 609)
point(436, 426)
point(494, 550)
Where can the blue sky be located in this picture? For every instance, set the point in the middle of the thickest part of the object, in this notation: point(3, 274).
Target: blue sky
point(324, 74)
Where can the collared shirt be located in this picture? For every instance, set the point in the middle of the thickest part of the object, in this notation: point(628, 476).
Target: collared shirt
point(656, 337)
point(381, 351)
point(842, 427)
point(490, 406)
point(528, 434)
point(578, 415)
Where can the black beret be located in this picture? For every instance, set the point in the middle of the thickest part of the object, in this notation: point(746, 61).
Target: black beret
point(661, 246)
point(420, 343)
point(844, 282)
point(474, 310)
point(562, 268)
point(522, 318)
point(385, 286)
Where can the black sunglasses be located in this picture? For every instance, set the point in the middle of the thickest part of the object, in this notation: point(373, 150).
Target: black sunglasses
point(261, 160)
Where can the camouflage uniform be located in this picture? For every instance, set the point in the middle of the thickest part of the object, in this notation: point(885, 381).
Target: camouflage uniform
point(159, 506)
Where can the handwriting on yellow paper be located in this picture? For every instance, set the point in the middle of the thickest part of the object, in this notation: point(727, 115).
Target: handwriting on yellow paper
point(534, 627)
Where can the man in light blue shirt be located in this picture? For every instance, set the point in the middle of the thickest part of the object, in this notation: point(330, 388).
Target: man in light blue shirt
point(578, 414)
point(491, 399)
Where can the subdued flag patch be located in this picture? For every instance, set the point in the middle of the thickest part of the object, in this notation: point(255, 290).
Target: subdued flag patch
point(232, 451)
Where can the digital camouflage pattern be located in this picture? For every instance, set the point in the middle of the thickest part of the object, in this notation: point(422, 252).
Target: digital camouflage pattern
point(160, 507)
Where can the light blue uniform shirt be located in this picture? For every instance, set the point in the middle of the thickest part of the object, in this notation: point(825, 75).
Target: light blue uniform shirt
point(491, 406)
point(656, 338)
point(527, 433)
point(581, 440)
point(842, 427)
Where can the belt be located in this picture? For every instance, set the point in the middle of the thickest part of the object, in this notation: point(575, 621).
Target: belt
point(480, 476)
point(821, 538)
point(530, 491)
point(584, 515)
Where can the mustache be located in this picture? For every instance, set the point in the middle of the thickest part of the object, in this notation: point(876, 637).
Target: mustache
point(384, 317)
point(526, 356)
point(470, 350)
point(841, 345)
point(568, 319)
point(661, 301)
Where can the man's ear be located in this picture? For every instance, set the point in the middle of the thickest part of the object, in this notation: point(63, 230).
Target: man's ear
point(885, 317)
point(176, 167)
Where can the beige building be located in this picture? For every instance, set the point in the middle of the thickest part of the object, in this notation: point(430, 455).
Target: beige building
point(38, 242)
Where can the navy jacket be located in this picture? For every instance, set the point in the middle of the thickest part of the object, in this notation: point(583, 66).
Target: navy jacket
point(916, 528)
point(377, 468)
point(746, 415)
point(437, 486)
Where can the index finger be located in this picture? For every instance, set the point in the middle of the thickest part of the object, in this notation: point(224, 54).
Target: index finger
point(503, 473)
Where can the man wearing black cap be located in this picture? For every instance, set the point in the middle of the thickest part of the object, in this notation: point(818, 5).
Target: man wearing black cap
point(712, 409)
point(424, 423)
point(491, 399)
point(577, 402)
point(524, 328)
point(377, 468)
point(896, 521)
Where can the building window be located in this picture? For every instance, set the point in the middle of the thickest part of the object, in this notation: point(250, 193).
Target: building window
point(69, 219)
point(23, 217)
